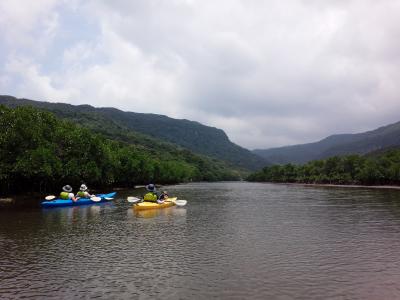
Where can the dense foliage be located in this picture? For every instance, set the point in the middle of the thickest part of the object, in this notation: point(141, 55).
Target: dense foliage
point(40, 152)
point(353, 169)
point(198, 138)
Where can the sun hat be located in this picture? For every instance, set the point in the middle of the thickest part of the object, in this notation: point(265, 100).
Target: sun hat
point(150, 187)
point(83, 187)
point(67, 188)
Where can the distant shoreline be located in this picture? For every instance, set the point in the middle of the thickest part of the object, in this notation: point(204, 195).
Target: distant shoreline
point(387, 187)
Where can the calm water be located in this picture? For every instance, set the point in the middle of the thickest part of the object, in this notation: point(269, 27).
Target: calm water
point(232, 241)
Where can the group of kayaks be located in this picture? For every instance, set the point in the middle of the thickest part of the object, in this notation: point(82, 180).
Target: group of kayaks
point(137, 205)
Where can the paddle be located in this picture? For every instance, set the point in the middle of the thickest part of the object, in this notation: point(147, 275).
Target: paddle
point(180, 202)
point(95, 199)
point(133, 200)
point(101, 196)
point(177, 202)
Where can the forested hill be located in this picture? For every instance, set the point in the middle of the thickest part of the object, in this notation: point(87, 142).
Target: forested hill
point(41, 152)
point(192, 135)
point(335, 145)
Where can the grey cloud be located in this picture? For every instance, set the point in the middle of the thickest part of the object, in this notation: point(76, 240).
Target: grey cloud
point(285, 72)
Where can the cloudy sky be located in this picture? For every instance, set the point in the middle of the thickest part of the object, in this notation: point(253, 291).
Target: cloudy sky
point(269, 73)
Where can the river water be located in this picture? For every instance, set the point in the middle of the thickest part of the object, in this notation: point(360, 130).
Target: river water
point(233, 240)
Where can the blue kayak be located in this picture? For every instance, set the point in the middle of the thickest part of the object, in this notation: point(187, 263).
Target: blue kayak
point(81, 201)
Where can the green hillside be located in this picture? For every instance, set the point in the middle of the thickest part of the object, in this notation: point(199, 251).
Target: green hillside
point(335, 145)
point(118, 124)
point(41, 152)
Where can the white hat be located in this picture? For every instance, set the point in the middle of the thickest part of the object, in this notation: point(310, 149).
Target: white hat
point(83, 187)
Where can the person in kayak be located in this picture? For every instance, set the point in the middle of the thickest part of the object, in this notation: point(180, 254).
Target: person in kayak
point(67, 194)
point(151, 195)
point(163, 197)
point(83, 192)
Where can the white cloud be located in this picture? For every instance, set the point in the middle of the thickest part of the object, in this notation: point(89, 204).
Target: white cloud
point(22, 23)
point(269, 73)
point(128, 78)
point(32, 82)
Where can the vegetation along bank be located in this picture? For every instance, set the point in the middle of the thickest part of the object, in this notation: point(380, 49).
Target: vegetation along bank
point(374, 169)
point(40, 152)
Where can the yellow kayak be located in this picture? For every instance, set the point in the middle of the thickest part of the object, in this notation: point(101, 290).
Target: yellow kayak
point(153, 205)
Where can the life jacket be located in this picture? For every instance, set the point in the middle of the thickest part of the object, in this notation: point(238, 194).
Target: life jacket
point(64, 195)
point(81, 194)
point(150, 197)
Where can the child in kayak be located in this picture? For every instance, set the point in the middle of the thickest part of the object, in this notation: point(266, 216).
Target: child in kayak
point(83, 192)
point(163, 197)
point(67, 194)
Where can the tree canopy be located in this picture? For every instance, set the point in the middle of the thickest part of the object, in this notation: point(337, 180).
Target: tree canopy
point(382, 169)
point(39, 152)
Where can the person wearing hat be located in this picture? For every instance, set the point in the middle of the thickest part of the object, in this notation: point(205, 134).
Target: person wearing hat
point(83, 192)
point(67, 194)
point(151, 195)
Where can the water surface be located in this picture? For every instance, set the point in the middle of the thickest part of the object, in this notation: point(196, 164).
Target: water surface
point(232, 241)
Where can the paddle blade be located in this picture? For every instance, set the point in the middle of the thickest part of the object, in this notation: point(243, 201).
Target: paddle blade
point(109, 199)
point(95, 199)
point(133, 199)
point(180, 202)
point(51, 197)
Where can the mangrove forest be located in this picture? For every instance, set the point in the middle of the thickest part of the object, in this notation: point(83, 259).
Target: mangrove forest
point(40, 152)
point(375, 169)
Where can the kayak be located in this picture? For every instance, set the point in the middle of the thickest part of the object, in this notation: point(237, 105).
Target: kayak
point(154, 205)
point(81, 201)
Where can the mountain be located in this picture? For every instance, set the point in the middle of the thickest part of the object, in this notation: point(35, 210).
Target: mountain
point(382, 152)
point(191, 135)
point(335, 145)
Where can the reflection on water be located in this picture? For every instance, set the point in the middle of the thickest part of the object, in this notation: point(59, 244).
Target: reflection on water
point(231, 241)
point(151, 213)
point(75, 214)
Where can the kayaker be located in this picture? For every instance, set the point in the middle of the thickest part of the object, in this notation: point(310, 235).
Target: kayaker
point(67, 194)
point(83, 192)
point(151, 195)
point(163, 197)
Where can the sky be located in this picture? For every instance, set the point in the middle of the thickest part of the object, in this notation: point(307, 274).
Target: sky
point(269, 73)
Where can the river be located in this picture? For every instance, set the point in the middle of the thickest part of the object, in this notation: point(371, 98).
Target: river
point(233, 240)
